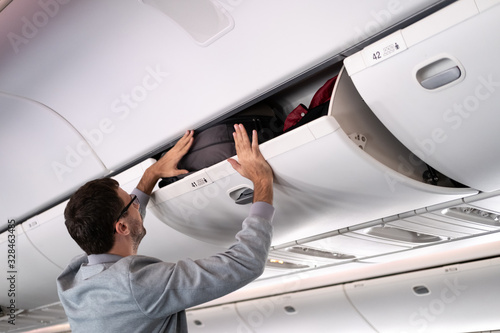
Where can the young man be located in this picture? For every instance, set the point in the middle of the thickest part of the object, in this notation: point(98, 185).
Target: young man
point(112, 289)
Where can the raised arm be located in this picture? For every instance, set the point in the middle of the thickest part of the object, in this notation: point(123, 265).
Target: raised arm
point(252, 165)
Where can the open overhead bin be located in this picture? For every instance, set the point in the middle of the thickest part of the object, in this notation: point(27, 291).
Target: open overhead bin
point(324, 181)
point(435, 86)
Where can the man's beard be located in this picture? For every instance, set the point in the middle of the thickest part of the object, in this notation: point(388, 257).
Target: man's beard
point(137, 233)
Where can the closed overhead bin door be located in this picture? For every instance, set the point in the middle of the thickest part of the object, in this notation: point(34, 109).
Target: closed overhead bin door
point(436, 86)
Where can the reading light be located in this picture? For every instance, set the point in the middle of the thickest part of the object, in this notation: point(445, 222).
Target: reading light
point(278, 263)
point(471, 214)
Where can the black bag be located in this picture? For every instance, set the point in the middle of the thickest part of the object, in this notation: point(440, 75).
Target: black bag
point(216, 143)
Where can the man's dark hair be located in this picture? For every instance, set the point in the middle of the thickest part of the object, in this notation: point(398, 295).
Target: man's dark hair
point(91, 214)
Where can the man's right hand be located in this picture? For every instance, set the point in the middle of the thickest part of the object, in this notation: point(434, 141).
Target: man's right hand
point(252, 165)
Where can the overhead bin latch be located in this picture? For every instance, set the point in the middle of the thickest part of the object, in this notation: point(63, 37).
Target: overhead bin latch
point(241, 195)
point(440, 73)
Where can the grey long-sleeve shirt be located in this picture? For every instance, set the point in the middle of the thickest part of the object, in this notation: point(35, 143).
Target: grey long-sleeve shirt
point(108, 293)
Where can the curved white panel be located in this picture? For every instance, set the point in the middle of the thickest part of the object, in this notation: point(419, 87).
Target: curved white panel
point(48, 233)
point(453, 127)
point(33, 275)
point(44, 157)
point(459, 298)
point(317, 310)
point(123, 63)
point(216, 319)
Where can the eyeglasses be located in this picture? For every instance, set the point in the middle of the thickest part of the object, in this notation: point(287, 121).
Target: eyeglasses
point(134, 201)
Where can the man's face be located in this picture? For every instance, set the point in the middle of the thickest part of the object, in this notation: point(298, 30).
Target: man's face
point(133, 219)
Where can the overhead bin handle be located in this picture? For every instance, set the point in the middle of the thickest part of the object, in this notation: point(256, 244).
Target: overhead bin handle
point(439, 73)
point(241, 195)
point(442, 79)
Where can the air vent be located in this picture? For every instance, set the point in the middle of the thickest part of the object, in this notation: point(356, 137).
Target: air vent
point(277, 263)
point(401, 235)
point(471, 214)
point(308, 251)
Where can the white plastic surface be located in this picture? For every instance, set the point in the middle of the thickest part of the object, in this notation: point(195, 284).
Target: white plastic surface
point(462, 298)
point(309, 311)
point(453, 128)
point(205, 21)
point(217, 319)
point(43, 157)
point(49, 236)
point(34, 275)
point(491, 204)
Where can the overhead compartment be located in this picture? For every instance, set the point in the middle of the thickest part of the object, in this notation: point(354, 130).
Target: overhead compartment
point(29, 280)
point(457, 298)
point(223, 318)
point(314, 310)
point(435, 86)
point(324, 181)
point(48, 234)
point(55, 157)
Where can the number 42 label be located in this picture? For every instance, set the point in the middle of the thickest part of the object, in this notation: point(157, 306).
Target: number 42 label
point(384, 49)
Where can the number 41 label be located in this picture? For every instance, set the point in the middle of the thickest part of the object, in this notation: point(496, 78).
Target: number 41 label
point(384, 49)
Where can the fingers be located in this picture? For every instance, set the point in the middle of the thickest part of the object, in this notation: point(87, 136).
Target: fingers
point(185, 142)
point(240, 137)
point(178, 172)
point(234, 164)
point(255, 142)
point(167, 165)
point(182, 146)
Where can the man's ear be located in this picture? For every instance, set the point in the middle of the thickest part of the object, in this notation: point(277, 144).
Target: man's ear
point(122, 228)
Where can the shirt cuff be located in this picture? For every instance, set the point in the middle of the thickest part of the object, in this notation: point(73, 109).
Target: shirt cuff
point(262, 209)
